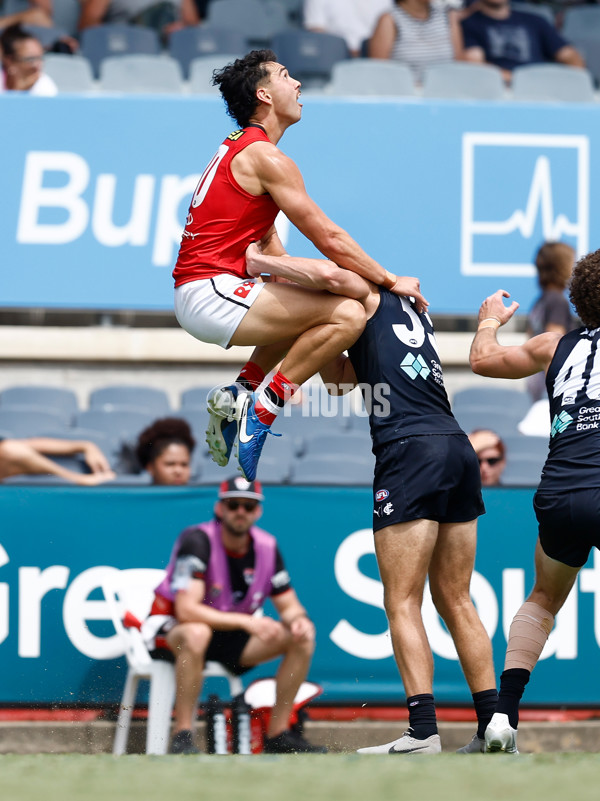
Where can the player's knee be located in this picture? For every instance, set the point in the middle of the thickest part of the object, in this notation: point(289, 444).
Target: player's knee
point(194, 639)
point(351, 315)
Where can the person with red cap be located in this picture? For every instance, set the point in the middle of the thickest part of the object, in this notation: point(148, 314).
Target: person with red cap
point(219, 575)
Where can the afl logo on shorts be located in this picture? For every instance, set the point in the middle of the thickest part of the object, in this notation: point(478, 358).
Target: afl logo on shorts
point(381, 495)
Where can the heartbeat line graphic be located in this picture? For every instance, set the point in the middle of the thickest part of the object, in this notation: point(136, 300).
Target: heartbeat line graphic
point(539, 200)
point(539, 205)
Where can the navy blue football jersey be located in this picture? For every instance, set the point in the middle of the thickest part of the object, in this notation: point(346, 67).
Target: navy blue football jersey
point(399, 373)
point(573, 385)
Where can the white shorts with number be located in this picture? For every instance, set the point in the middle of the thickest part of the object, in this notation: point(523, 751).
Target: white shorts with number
point(211, 309)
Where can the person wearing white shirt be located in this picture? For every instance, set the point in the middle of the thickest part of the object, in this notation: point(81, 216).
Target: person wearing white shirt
point(353, 20)
point(23, 62)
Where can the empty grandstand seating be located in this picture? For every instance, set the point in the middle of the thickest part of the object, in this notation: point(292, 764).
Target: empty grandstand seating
point(149, 400)
point(552, 82)
point(201, 72)
point(330, 469)
point(102, 41)
point(205, 40)
point(258, 21)
point(54, 399)
point(498, 409)
point(23, 421)
point(309, 56)
point(70, 73)
point(141, 73)
point(123, 423)
point(461, 80)
point(370, 77)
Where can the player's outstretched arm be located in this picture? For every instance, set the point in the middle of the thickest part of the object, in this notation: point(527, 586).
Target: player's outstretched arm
point(281, 178)
point(489, 358)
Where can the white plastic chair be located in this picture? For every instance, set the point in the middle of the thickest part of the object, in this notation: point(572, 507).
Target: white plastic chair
point(132, 591)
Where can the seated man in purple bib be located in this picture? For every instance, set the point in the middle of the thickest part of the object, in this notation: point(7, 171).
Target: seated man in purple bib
point(219, 575)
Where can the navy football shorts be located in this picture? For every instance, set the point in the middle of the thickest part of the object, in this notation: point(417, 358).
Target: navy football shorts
point(569, 524)
point(430, 477)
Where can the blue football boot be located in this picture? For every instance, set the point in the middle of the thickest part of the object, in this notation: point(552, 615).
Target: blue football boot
point(252, 434)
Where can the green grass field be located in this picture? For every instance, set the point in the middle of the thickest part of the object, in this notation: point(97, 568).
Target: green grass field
point(448, 777)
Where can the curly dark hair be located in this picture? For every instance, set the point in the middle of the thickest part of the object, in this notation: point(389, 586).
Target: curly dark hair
point(585, 289)
point(238, 83)
point(159, 435)
point(554, 263)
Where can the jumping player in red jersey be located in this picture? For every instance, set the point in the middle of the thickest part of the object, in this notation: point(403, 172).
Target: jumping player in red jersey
point(218, 299)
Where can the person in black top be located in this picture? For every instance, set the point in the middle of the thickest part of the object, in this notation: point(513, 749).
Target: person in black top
point(427, 497)
point(567, 501)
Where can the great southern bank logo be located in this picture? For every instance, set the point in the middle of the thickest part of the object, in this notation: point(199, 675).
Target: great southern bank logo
point(544, 197)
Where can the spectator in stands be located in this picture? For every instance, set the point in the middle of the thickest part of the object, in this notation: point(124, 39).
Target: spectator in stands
point(30, 457)
point(22, 63)
point(353, 20)
point(221, 573)
point(491, 454)
point(165, 16)
point(495, 34)
point(165, 450)
point(38, 13)
point(418, 33)
point(551, 311)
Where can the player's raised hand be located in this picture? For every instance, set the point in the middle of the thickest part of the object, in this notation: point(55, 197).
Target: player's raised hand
point(493, 308)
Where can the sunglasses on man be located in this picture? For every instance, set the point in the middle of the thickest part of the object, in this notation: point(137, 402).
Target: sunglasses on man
point(232, 504)
point(491, 461)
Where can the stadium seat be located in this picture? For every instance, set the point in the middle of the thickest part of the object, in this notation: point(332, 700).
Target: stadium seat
point(24, 421)
point(147, 399)
point(201, 72)
point(200, 41)
point(522, 470)
point(70, 73)
point(519, 446)
point(258, 21)
point(333, 470)
point(341, 444)
point(129, 595)
point(583, 20)
point(65, 14)
point(121, 423)
point(589, 47)
point(504, 421)
point(492, 397)
point(55, 399)
point(370, 76)
point(194, 397)
point(309, 56)
point(463, 81)
point(141, 74)
point(48, 36)
point(552, 82)
point(103, 41)
point(197, 419)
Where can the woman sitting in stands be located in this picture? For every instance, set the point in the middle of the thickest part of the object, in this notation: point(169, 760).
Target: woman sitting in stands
point(23, 62)
point(165, 450)
point(419, 33)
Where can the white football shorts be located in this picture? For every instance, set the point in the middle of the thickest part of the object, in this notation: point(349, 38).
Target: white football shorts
point(212, 308)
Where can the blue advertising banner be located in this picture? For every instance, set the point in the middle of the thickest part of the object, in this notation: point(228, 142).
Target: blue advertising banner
point(95, 191)
point(58, 646)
